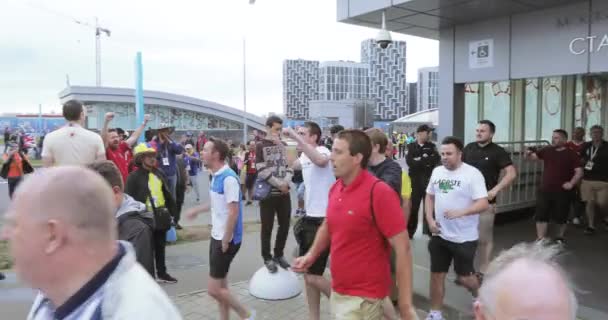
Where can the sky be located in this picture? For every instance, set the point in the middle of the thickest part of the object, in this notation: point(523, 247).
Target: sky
point(189, 47)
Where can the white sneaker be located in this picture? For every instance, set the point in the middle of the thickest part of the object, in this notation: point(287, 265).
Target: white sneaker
point(435, 315)
point(576, 221)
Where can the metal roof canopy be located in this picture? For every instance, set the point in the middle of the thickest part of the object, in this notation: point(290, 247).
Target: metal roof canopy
point(424, 18)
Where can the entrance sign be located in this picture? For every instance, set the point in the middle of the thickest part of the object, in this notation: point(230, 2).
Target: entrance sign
point(589, 44)
point(481, 54)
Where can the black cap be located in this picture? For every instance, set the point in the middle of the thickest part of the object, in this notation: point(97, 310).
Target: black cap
point(423, 128)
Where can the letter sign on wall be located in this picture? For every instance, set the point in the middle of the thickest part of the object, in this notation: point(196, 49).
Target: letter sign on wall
point(481, 54)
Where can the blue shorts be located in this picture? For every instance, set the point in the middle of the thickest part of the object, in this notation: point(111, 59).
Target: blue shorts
point(300, 191)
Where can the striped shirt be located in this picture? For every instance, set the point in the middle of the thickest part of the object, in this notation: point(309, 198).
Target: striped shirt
point(85, 304)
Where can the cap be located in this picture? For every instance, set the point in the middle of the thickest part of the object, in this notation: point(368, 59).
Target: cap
point(423, 128)
point(143, 148)
point(188, 146)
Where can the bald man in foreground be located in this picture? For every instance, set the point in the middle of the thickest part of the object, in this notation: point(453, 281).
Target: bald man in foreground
point(62, 234)
point(525, 282)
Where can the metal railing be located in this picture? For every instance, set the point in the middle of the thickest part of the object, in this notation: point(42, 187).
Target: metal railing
point(522, 192)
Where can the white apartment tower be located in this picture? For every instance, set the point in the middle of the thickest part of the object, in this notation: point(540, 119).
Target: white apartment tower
point(340, 80)
point(428, 88)
point(300, 85)
point(387, 85)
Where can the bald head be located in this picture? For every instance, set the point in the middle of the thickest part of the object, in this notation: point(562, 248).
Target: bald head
point(76, 196)
point(525, 282)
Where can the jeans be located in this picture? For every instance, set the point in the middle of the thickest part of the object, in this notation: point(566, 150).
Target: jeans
point(195, 186)
point(281, 206)
point(160, 242)
point(12, 185)
point(172, 180)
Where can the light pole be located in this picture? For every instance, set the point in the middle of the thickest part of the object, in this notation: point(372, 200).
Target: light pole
point(251, 2)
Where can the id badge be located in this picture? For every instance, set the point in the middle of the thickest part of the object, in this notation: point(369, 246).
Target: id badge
point(165, 161)
point(589, 166)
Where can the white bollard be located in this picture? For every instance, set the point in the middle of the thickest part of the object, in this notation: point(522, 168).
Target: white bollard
point(284, 284)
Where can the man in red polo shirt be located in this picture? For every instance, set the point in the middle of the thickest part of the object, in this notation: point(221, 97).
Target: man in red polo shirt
point(118, 151)
point(364, 220)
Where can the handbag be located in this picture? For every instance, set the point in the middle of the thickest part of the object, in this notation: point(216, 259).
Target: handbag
point(261, 189)
point(162, 216)
point(171, 235)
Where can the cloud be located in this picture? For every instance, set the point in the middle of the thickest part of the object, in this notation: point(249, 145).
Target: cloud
point(189, 47)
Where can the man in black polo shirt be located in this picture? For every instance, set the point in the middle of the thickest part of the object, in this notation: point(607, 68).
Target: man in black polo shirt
point(490, 159)
point(594, 188)
point(422, 157)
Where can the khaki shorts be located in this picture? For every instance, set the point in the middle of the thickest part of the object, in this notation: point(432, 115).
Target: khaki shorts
point(595, 191)
point(486, 224)
point(355, 308)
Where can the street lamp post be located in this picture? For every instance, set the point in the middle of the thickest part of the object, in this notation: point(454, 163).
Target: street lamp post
point(244, 91)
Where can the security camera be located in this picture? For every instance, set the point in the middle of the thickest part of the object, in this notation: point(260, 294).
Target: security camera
point(383, 39)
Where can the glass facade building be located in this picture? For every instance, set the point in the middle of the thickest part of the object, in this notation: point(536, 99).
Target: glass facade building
point(341, 80)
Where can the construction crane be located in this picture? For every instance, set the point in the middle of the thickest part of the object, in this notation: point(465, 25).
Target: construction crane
point(98, 33)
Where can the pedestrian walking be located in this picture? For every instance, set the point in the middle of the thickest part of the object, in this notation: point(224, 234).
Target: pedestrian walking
point(271, 165)
point(363, 215)
point(167, 151)
point(15, 166)
point(135, 222)
point(457, 193)
point(118, 149)
point(422, 157)
point(578, 206)
point(251, 172)
point(193, 166)
point(318, 178)
point(72, 144)
point(183, 181)
point(62, 234)
point(594, 188)
point(226, 226)
point(491, 160)
point(562, 171)
point(149, 185)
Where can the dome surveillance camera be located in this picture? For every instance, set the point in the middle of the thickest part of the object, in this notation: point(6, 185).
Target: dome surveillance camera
point(383, 39)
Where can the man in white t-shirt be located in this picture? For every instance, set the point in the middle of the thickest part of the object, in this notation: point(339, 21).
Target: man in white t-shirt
point(72, 144)
point(457, 192)
point(318, 179)
point(226, 226)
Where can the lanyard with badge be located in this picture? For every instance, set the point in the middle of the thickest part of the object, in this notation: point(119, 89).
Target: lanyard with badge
point(165, 154)
point(592, 152)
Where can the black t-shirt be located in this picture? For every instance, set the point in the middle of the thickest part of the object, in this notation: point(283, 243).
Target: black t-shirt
point(599, 171)
point(489, 159)
point(388, 171)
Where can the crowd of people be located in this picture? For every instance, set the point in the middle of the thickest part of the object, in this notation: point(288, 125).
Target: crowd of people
point(106, 201)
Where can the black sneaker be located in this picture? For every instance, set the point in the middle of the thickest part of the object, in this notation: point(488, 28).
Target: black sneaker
point(590, 231)
point(2, 276)
point(560, 242)
point(271, 266)
point(166, 278)
point(282, 262)
point(178, 227)
point(248, 203)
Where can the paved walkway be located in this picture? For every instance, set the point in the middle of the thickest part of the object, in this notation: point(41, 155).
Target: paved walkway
point(200, 306)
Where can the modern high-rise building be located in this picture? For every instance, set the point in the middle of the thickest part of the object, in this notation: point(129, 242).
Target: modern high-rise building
point(339, 80)
point(428, 88)
point(412, 92)
point(300, 85)
point(387, 84)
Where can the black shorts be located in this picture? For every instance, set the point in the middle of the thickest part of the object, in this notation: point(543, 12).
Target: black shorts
point(250, 180)
point(443, 252)
point(305, 231)
point(219, 262)
point(553, 206)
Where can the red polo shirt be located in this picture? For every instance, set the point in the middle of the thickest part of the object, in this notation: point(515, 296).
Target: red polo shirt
point(360, 253)
point(120, 157)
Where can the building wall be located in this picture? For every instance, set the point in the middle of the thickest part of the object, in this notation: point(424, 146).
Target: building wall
point(387, 77)
point(300, 85)
point(339, 80)
point(413, 97)
point(428, 88)
point(327, 113)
